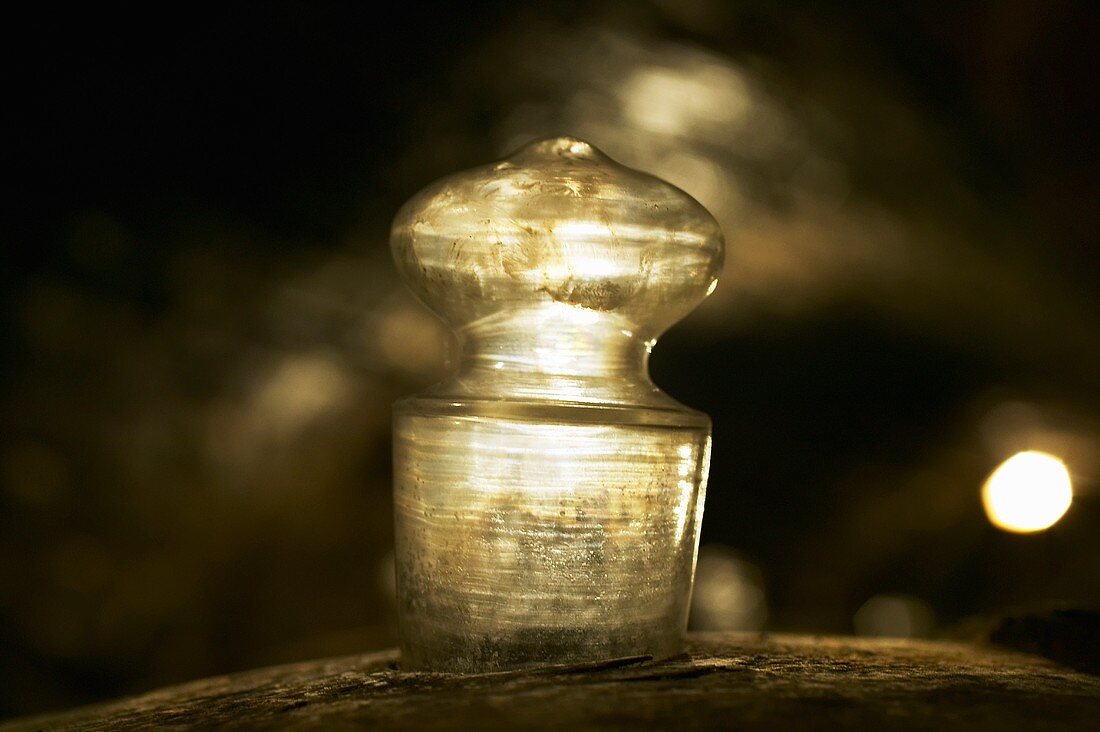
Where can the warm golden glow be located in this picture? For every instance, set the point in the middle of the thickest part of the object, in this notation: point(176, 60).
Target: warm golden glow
point(1028, 492)
point(548, 496)
point(708, 94)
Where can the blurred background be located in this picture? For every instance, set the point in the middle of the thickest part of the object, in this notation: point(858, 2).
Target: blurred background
point(204, 332)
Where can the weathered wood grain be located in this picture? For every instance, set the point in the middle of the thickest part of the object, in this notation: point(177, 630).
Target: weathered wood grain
point(726, 681)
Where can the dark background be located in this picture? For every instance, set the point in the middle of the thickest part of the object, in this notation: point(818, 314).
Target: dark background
point(204, 331)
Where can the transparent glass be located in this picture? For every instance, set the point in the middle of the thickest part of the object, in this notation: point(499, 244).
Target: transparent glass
point(548, 496)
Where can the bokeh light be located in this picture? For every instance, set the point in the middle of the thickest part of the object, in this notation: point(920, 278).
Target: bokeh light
point(729, 592)
point(1029, 492)
point(893, 616)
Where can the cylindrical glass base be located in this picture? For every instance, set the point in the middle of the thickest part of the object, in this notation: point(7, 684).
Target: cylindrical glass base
point(544, 535)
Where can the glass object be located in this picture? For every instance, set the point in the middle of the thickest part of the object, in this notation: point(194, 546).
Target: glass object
point(548, 496)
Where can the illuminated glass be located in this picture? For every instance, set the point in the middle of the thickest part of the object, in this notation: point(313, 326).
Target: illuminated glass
point(548, 496)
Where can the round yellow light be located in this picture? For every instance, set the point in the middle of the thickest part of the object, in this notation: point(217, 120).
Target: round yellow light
point(1028, 492)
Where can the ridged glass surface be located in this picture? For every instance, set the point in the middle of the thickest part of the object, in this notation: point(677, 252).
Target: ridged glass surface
point(526, 543)
point(548, 496)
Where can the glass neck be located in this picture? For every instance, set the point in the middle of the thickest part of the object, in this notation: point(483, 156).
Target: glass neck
point(555, 352)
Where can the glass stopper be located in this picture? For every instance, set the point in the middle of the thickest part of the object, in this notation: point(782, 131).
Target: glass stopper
point(548, 495)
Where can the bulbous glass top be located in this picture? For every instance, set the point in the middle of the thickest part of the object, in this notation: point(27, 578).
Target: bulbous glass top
point(558, 223)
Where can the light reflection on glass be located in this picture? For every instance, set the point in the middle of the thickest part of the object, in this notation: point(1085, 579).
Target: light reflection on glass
point(548, 496)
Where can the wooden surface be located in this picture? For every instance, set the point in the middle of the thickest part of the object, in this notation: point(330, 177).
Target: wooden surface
point(727, 681)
